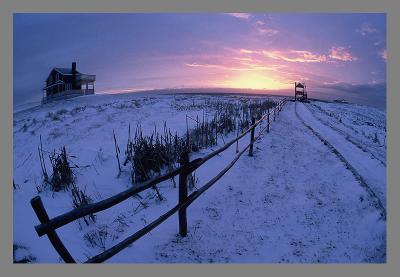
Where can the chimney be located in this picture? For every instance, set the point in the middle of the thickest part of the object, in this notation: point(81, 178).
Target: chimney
point(73, 67)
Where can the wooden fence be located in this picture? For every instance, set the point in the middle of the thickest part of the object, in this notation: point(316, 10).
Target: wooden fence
point(48, 226)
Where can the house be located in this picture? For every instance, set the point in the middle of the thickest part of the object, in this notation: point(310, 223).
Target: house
point(65, 83)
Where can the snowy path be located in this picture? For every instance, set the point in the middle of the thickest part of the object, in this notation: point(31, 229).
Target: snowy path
point(346, 131)
point(294, 201)
point(371, 171)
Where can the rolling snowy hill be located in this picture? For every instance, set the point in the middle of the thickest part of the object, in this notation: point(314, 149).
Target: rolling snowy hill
point(314, 192)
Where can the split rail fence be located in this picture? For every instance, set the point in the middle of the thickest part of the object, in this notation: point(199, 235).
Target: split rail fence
point(48, 226)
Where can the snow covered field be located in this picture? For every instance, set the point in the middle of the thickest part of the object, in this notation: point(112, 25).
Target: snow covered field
point(314, 192)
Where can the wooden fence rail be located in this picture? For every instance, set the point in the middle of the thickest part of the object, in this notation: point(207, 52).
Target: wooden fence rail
point(48, 226)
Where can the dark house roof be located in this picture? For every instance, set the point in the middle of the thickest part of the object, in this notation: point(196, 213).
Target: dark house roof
point(70, 72)
point(300, 85)
point(65, 71)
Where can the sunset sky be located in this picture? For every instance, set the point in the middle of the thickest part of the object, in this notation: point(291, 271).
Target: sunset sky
point(337, 55)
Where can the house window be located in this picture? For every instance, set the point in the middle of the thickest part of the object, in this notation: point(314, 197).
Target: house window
point(57, 76)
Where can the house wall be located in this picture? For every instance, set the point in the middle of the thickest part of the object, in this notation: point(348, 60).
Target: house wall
point(59, 88)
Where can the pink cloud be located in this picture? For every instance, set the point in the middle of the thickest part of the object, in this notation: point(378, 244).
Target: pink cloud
point(262, 29)
point(232, 67)
point(366, 29)
point(295, 56)
point(243, 59)
point(240, 15)
point(267, 31)
point(246, 51)
point(335, 54)
point(258, 25)
point(341, 53)
point(383, 54)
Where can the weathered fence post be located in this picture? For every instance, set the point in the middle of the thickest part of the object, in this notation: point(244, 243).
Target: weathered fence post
point(268, 121)
point(184, 160)
point(41, 213)
point(253, 120)
point(275, 113)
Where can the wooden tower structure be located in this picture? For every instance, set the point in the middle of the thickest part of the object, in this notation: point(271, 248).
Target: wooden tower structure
point(300, 92)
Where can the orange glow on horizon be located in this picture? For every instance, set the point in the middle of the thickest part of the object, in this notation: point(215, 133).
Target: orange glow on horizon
point(255, 80)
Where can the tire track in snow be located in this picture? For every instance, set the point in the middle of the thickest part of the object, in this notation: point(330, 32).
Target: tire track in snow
point(376, 200)
point(347, 136)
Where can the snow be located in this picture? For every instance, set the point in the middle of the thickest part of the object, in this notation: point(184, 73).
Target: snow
point(293, 202)
point(366, 165)
point(363, 126)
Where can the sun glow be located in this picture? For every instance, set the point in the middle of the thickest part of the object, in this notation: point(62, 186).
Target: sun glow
point(253, 80)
